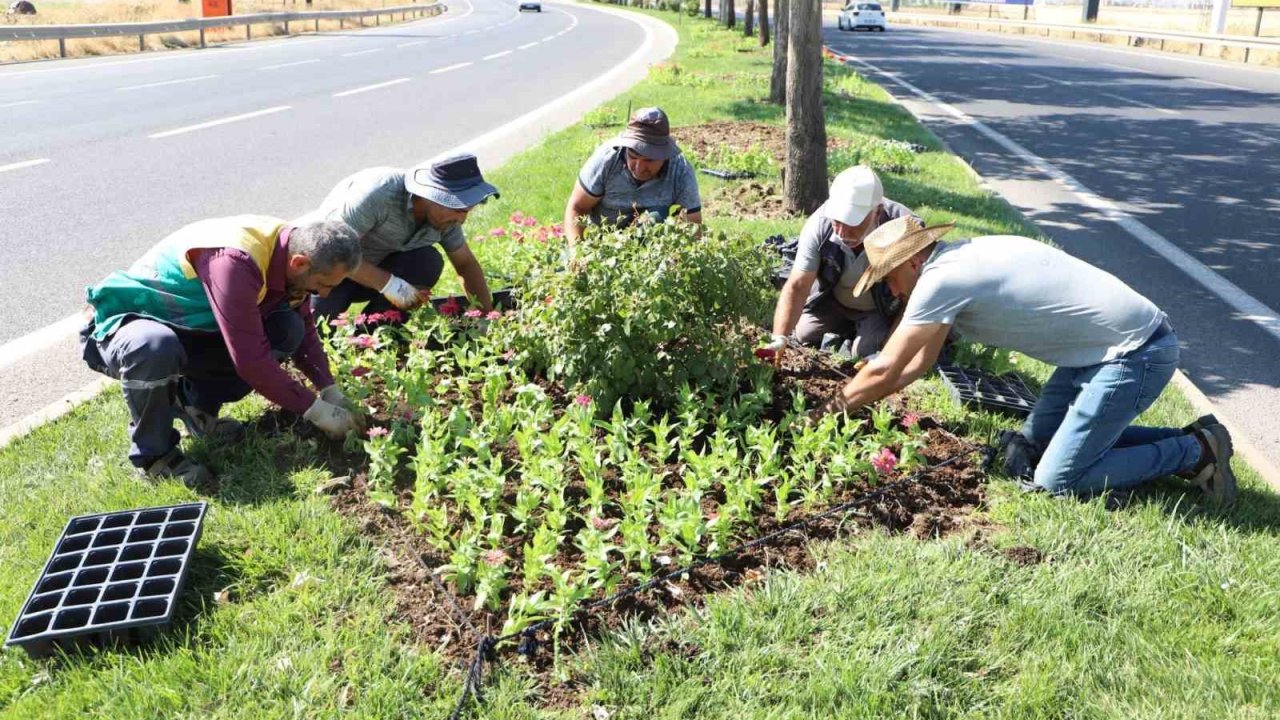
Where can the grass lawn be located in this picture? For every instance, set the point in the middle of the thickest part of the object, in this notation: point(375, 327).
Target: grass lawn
point(1161, 609)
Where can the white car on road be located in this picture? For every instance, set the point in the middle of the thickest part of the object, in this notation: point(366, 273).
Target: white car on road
point(857, 15)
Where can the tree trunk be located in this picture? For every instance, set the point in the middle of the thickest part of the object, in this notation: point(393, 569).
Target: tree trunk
point(706, 9)
point(778, 82)
point(805, 182)
point(764, 22)
point(749, 19)
point(730, 16)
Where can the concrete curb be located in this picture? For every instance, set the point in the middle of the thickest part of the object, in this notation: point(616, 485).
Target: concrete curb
point(493, 148)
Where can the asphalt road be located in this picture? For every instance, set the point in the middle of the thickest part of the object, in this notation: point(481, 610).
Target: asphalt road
point(101, 158)
point(1161, 169)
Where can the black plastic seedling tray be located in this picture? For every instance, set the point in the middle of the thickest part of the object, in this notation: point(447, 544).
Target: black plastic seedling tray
point(999, 393)
point(501, 299)
point(727, 174)
point(113, 577)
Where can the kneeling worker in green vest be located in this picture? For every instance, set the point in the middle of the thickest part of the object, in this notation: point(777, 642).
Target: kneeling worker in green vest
point(208, 315)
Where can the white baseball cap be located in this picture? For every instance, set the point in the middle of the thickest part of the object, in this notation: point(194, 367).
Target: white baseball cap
point(854, 193)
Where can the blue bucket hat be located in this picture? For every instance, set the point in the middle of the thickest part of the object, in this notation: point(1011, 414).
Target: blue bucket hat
point(453, 181)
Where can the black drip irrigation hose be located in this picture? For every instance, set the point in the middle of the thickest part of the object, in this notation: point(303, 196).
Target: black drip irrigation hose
point(486, 646)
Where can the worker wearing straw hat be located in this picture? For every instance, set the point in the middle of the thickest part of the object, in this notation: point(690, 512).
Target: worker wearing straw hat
point(1113, 348)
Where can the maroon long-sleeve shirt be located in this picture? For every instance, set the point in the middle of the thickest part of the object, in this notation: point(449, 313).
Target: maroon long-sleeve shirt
point(232, 280)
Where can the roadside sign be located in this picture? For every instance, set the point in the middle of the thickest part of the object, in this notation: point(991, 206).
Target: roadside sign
point(216, 8)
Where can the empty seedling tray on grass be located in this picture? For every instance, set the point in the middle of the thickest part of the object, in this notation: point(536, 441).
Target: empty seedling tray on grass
point(112, 577)
point(1000, 393)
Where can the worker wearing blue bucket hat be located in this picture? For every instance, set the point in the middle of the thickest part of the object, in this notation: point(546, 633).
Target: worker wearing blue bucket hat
point(400, 216)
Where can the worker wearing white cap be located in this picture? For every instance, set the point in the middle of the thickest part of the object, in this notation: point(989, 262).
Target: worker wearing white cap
point(818, 299)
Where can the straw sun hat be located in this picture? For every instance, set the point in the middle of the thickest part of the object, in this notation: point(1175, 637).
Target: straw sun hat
point(892, 244)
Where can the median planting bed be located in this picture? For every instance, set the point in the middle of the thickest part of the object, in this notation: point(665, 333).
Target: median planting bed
point(616, 426)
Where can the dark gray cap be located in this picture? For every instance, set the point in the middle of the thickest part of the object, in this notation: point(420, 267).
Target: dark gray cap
point(649, 134)
point(454, 182)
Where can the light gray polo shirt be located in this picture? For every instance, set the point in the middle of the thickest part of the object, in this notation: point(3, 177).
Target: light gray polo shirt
point(375, 203)
point(1016, 293)
point(605, 176)
point(817, 230)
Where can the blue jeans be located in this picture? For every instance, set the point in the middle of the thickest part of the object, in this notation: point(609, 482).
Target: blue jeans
point(1083, 417)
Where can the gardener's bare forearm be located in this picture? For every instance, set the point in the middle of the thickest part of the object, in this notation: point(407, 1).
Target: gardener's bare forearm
point(908, 355)
point(580, 205)
point(791, 302)
point(371, 276)
point(471, 275)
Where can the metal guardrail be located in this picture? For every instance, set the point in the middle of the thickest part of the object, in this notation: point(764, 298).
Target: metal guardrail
point(1131, 34)
point(62, 33)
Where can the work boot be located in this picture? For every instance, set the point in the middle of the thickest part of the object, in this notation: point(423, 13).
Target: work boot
point(174, 464)
point(1201, 423)
point(1215, 477)
point(207, 426)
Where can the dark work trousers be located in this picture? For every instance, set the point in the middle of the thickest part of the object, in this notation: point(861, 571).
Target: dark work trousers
point(420, 268)
point(158, 365)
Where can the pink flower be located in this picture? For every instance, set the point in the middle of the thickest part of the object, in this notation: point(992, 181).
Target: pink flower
point(473, 313)
point(910, 420)
point(530, 221)
point(360, 319)
point(377, 432)
point(393, 316)
point(362, 341)
point(340, 321)
point(601, 523)
point(450, 308)
point(517, 217)
point(546, 300)
point(494, 558)
point(582, 400)
point(509, 355)
point(374, 318)
point(557, 229)
point(359, 371)
point(766, 353)
point(497, 232)
point(884, 461)
point(493, 315)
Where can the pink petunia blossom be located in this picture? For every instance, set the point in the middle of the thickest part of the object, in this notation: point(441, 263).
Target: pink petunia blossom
point(497, 232)
point(493, 315)
point(557, 229)
point(359, 371)
point(360, 319)
point(473, 313)
point(393, 316)
point(340, 321)
point(582, 400)
point(530, 221)
point(910, 420)
point(374, 318)
point(884, 461)
point(377, 432)
point(450, 308)
point(517, 218)
point(362, 341)
point(494, 558)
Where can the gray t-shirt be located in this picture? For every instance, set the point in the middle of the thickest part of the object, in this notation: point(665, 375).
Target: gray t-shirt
point(1016, 293)
point(817, 230)
point(605, 176)
point(375, 203)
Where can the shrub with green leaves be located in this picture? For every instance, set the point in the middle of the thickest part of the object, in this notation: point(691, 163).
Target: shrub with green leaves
point(644, 310)
point(753, 160)
point(881, 155)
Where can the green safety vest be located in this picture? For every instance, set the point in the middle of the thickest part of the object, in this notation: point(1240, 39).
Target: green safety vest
point(163, 285)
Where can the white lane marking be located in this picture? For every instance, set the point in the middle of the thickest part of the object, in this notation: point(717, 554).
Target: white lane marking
point(220, 121)
point(40, 340)
point(290, 64)
point(361, 52)
point(166, 82)
point(415, 42)
point(1250, 308)
point(375, 86)
point(526, 46)
point(496, 55)
point(1051, 79)
point(20, 102)
point(23, 164)
point(1217, 84)
point(1122, 98)
point(449, 68)
point(548, 38)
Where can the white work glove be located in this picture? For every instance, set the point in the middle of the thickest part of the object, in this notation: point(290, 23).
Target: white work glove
point(401, 293)
point(335, 421)
point(778, 344)
point(334, 396)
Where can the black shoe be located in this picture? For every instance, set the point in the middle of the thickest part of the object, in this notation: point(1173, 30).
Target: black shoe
point(174, 464)
point(1216, 479)
point(1201, 423)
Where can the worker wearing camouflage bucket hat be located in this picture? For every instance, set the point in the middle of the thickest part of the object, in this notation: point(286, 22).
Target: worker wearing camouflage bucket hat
point(639, 173)
point(1113, 348)
point(401, 216)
